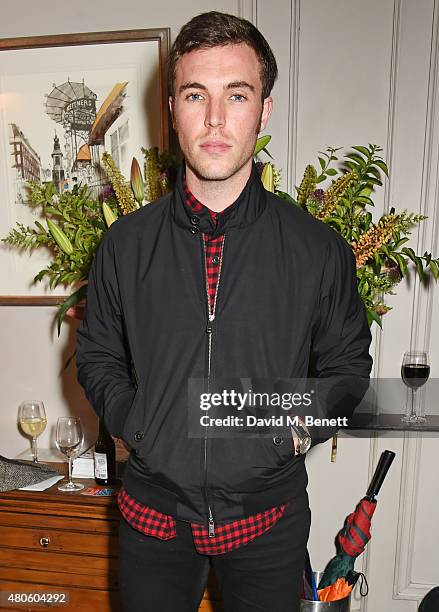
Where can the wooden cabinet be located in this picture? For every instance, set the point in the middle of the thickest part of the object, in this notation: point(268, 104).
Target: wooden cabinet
point(52, 541)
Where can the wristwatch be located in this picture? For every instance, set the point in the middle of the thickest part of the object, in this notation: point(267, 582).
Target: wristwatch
point(301, 435)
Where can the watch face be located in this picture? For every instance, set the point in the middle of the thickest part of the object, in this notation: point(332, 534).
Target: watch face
point(304, 445)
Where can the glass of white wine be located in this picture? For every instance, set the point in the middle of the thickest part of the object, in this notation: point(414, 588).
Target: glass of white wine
point(32, 419)
point(69, 439)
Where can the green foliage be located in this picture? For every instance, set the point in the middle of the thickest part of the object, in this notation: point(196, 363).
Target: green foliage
point(351, 181)
point(78, 216)
point(388, 264)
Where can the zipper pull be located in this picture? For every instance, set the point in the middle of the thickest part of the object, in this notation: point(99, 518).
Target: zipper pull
point(211, 524)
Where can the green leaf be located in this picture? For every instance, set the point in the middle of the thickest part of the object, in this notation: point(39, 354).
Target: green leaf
point(286, 196)
point(331, 172)
point(322, 163)
point(373, 180)
point(52, 210)
point(268, 153)
point(40, 275)
point(400, 242)
point(382, 165)
point(434, 267)
point(41, 227)
point(366, 191)
point(373, 316)
point(72, 300)
point(364, 200)
point(336, 220)
point(363, 150)
point(261, 143)
point(410, 253)
point(402, 263)
point(419, 267)
point(374, 171)
point(353, 166)
point(357, 158)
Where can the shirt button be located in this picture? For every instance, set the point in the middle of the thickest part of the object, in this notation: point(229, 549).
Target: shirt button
point(215, 259)
point(139, 435)
point(195, 219)
point(194, 230)
point(278, 440)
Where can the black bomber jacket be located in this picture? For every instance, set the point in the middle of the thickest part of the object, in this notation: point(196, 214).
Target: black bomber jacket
point(287, 306)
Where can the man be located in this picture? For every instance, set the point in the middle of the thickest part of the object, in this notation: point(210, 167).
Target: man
point(218, 279)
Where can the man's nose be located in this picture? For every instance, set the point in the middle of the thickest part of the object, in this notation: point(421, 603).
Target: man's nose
point(214, 114)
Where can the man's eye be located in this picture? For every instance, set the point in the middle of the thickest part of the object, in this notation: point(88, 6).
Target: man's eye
point(190, 96)
point(239, 96)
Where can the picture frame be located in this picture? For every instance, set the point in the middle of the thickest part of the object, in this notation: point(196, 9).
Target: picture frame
point(64, 99)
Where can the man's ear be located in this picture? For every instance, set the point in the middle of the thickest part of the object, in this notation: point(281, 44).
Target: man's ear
point(267, 109)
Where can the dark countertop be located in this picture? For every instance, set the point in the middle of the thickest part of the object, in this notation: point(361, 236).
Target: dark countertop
point(390, 422)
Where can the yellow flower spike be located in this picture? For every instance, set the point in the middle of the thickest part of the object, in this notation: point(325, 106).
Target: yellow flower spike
point(335, 192)
point(267, 177)
point(307, 185)
point(109, 215)
point(122, 189)
point(371, 241)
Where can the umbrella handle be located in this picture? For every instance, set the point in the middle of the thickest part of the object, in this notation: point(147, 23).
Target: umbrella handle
point(310, 576)
point(380, 473)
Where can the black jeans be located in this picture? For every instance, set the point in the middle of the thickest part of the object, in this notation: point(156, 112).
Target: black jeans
point(264, 575)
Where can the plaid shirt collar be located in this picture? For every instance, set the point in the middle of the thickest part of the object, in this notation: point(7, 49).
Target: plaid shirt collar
point(196, 206)
point(245, 210)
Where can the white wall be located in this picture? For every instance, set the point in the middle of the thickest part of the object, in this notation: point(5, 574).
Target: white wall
point(350, 73)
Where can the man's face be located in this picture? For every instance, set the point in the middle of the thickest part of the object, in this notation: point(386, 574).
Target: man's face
point(217, 111)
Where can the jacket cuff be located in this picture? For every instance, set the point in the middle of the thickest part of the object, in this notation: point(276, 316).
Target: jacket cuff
point(116, 414)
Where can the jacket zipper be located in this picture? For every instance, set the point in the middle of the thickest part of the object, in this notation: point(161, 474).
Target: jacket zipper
point(209, 329)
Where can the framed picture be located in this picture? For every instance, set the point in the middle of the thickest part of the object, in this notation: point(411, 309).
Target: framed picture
point(64, 100)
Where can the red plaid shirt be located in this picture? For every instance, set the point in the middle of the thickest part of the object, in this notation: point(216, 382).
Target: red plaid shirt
point(154, 523)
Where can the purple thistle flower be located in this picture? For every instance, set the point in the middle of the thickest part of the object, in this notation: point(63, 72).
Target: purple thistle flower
point(259, 167)
point(317, 195)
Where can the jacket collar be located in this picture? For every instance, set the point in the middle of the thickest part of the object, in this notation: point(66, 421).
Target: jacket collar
point(249, 205)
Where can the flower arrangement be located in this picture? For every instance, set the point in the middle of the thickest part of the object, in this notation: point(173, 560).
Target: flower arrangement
point(76, 220)
point(381, 259)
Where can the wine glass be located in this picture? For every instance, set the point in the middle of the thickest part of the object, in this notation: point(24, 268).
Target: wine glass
point(415, 370)
point(32, 419)
point(69, 439)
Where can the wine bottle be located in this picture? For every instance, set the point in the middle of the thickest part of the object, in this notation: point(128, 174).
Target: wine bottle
point(104, 457)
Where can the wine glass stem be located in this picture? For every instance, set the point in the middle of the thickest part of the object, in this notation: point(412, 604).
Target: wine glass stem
point(34, 450)
point(413, 413)
point(70, 470)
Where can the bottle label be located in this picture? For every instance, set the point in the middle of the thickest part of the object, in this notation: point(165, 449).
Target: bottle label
point(101, 468)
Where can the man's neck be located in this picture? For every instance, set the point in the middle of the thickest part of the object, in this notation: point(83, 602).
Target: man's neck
point(218, 195)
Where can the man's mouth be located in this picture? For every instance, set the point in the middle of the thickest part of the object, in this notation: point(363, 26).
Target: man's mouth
point(215, 146)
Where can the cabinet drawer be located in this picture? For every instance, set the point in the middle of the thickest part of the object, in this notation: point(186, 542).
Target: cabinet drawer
point(59, 569)
point(102, 525)
point(57, 540)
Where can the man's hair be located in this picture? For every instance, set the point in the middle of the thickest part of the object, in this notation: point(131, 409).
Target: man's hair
point(214, 29)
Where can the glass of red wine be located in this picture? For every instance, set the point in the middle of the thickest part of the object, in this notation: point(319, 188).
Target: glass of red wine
point(415, 370)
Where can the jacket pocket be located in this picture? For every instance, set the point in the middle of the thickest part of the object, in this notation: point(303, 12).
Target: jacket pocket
point(133, 432)
point(282, 447)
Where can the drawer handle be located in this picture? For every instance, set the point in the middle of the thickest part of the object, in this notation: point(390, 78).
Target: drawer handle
point(44, 542)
